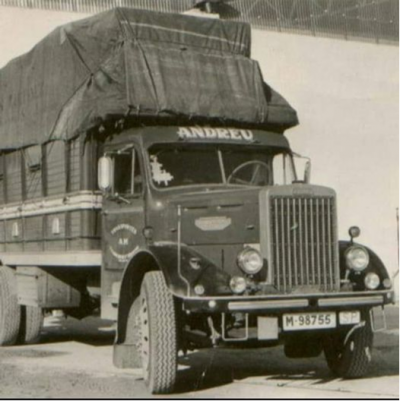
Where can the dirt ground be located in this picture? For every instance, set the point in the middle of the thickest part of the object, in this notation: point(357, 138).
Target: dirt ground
point(74, 360)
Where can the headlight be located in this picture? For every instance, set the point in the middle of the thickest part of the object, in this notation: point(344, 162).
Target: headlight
point(199, 289)
point(250, 261)
point(357, 258)
point(238, 284)
point(372, 281)
point(387, 283)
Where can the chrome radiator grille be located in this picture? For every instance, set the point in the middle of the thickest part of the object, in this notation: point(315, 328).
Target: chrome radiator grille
point(303, 246)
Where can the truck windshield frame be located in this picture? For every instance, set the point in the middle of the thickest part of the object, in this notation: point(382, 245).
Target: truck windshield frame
point(227, 165)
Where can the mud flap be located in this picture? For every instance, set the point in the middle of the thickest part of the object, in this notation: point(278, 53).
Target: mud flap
point(126, 356)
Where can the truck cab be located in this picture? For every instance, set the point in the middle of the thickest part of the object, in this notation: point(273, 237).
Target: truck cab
point(210, 236)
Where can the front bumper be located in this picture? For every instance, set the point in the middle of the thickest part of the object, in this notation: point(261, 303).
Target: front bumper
point(287, 303)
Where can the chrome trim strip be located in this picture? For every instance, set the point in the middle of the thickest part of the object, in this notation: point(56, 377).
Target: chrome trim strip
point(255, 305)
point(275, 297)
point(368, 300)
point(71, 258)
point(78, 201)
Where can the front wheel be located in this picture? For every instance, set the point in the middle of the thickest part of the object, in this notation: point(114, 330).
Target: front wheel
point(158, 332)
point(348, 354)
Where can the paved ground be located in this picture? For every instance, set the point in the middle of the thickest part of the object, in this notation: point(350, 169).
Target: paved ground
point(74, 360)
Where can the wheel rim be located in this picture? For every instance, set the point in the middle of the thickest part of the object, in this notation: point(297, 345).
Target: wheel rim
point(145, 335)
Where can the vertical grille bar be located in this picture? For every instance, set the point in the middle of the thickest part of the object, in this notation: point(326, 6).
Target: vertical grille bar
point(289, 243)
point(295, 243)
point(277, 254)
point(330, 245)
point(317, 241)
point(283, 243)
point(323, 246)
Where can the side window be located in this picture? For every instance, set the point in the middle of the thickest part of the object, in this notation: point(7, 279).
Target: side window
point(127, 173)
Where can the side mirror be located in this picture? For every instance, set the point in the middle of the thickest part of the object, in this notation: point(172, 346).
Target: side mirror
point(104, 178)
point(307, 172)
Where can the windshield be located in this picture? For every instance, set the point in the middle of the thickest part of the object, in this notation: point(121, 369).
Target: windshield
point(174, 165)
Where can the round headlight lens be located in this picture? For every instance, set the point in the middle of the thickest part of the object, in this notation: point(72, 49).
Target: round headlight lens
point(250, 261)
point(238, 284)
point(387, 283)
point(372, 281)
point(357, 258)
point(199, 289)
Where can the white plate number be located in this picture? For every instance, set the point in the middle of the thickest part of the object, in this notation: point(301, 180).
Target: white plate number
point(306, 321)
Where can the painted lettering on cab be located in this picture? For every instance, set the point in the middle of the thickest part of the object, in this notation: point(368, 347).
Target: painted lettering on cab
point(215, 133)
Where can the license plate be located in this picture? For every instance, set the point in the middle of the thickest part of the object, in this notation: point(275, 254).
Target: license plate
point(307, 321)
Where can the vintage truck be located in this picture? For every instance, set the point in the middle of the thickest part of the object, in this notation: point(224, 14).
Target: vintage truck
point(144, 172)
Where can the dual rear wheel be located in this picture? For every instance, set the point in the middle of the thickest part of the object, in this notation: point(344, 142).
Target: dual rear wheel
point(18, 324)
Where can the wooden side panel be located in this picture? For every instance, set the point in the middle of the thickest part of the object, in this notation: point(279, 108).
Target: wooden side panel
point(2, 236)
point(2, 179)
point(14, 176)
point(75, 165)
point(56, 168)
point(33, 171)
point(46, 173)
point(89, 167)
point(33, 233)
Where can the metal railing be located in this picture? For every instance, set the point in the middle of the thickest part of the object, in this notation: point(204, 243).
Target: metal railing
point(370, 20)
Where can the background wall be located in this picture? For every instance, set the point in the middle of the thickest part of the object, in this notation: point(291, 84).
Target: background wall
point(346, 95)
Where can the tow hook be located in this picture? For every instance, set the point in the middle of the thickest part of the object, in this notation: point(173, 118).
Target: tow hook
point(215, 336)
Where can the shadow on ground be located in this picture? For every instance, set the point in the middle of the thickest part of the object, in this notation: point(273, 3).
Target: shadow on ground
point(206, 369)
point(213, 368)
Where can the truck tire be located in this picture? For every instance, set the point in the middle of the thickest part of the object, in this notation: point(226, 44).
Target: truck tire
point(10, 311)
point(158, 334)
point(31, 324)
point(348, 355)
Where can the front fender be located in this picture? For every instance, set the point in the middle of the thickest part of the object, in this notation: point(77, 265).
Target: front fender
point(195, 269)
point(375, 265)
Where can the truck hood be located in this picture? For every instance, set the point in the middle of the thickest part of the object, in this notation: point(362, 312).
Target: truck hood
point(215, 217)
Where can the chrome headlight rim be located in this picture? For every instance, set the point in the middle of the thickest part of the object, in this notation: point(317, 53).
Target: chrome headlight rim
point(243, 261)
point(356, 264)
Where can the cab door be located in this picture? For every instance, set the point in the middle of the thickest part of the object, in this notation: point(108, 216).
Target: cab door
point(123, 222)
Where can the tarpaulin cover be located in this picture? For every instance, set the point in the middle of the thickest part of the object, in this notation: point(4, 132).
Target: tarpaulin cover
point(136, 64)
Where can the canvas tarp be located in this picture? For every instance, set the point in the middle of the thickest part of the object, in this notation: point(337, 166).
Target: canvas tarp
point(136, 64)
